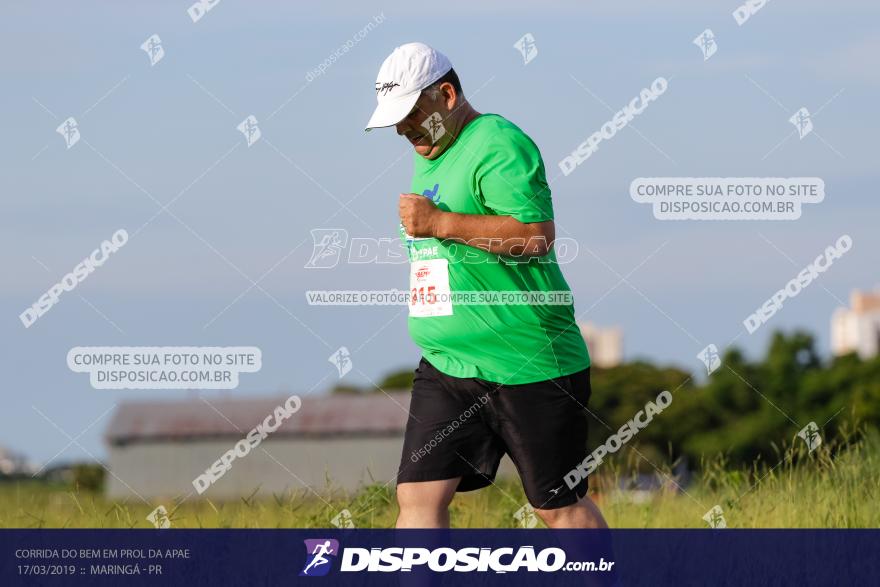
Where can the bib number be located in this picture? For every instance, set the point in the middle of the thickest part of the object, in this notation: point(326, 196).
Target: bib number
point(429, 288)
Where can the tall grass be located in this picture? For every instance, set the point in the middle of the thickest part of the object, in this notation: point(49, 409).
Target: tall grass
point(837, 485)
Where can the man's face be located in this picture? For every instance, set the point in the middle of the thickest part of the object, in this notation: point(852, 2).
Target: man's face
point(416, 127)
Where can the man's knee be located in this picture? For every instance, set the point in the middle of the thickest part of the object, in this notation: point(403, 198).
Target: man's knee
point(554, 516)
point(563, 514)
point(582, 514)
point(427, 495)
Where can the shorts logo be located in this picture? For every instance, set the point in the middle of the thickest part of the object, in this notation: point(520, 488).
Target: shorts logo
point(318, 556)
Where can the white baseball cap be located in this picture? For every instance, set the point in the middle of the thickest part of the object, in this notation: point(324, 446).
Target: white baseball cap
point(404, 74)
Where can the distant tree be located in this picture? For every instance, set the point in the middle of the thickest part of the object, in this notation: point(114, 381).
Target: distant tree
point(89, 477)
point(788, 360)
point(618, 393)
point(746, 409)
point(402, 379)
point(396, 380)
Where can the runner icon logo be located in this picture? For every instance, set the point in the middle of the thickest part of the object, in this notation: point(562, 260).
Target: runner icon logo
point(434, 125)
point(327, 247)
point(344, 520)
point(69, 130)
point(250, 128)
point(526, 517)
point(706, 42)
point(527, 47)
point(710, 358)
point(153, 48)
point(715, 518)
point(342, 360)
point(810, 435)
point(320, 553)
point(802, 122)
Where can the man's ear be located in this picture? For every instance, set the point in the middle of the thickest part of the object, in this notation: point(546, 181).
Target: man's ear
point(450, 96)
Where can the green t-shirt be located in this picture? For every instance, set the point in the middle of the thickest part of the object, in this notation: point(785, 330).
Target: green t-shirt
point(493, 168)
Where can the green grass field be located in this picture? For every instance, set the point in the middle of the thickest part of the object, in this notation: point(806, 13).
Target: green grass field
point(836, 487)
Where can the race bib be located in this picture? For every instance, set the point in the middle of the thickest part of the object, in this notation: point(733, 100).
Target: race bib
point(429, 288)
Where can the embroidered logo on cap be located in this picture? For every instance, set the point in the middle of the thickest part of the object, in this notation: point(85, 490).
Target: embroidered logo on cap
point(386, 87)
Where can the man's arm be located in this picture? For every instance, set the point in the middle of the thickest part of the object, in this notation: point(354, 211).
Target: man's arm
point(500, 235)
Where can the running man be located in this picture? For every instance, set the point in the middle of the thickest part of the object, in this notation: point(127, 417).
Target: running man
point(493, 379)
point(320, 559)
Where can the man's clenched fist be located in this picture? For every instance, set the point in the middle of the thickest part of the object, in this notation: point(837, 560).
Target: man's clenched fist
point(419, 215)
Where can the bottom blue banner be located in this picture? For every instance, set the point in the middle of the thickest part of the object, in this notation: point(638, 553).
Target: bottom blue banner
point(434, 557)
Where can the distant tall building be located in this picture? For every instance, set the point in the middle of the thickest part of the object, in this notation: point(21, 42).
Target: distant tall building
point(857, 328)
point(14, 464)
point(605, 344)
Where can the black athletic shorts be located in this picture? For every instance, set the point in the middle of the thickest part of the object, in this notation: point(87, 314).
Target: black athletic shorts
point(461, 427)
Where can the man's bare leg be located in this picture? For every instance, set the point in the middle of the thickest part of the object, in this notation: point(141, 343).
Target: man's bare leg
point(425, 504)
point(583, 514)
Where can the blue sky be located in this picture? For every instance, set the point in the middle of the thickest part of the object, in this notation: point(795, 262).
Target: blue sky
point(169, 131)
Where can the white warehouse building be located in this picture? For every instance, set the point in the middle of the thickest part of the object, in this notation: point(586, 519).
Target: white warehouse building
point(158, 448)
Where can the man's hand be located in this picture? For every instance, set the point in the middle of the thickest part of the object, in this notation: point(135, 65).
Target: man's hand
point(496, 234)
point(419, 216)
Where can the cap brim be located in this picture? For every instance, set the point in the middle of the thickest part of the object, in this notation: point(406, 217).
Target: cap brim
point(390, 112)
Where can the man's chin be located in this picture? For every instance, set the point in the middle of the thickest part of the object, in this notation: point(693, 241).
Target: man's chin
point(427, 151)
